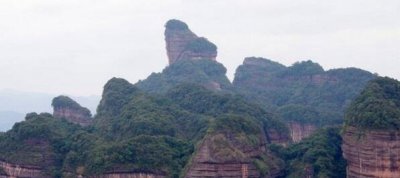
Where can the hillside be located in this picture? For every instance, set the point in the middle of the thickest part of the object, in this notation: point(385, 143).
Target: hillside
point(303, 95)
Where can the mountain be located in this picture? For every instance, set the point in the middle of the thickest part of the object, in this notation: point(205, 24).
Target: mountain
point(304, 95)
point(371, 136)
point(15, 104)
point(190, 121)
point(192, 60)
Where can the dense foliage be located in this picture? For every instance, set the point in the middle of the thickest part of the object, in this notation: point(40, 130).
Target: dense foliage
point(201, 45)
point(377, 107)
point(274, 86)
point(318, 156)
point(204, 72)
point(41, 138)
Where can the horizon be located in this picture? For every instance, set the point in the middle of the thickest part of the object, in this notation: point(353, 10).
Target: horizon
point(84, 44)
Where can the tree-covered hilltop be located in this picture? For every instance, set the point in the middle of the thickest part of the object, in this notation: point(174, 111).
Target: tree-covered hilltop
point(136, 131)
point(40, 140)
point(207, 73)
point(306, 84)
point(377, 107)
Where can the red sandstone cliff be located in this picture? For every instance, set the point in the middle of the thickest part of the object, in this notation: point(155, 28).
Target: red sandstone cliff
point(371, 153)
point(66, 108)
point(73, 115)
point(183, 44)
point(299, 131)
point(233, 161)
point(15, 170)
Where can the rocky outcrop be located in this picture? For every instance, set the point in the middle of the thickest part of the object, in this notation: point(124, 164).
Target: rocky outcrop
point(183, 44)
point(371, 153)
point(299, 131)
point(65, 107)
point(207, 163)
point(14, 171)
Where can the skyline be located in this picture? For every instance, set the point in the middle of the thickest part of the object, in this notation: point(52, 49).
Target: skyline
point(74, 47)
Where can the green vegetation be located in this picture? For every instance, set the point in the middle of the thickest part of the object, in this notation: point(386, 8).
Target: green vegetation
point(304, 68)
point(41, 138)
point(203, 72)
point(304, 84)
point(176, 25)
point(319, 155)
point(377, 107)
point(201, 45)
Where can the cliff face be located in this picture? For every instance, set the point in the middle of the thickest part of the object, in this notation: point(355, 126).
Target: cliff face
point(371, 139)
point(299, 131)
point(14, 170)
point(371, 154)
point(65, 107)
point(183, 44)
point(72, 115)
point(211, 162)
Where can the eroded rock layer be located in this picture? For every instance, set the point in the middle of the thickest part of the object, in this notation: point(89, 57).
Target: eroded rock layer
point(14, 170)
point(299, 131)
point(66, 108)
point(73, 116)
point(205, 165)
point(371, 153)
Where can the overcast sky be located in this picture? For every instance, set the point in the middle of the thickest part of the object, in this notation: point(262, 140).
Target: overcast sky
point(75, 46)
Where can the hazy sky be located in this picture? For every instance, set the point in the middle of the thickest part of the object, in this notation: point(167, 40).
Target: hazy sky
point(75, 46)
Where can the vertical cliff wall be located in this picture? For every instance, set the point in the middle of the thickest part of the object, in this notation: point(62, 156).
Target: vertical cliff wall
point(371, 153)
point(299, 131)
point(183, 44)
point(233, 161)
point(205, 165)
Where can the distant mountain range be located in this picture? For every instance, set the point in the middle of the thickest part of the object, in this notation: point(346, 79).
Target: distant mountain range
point(15, 104)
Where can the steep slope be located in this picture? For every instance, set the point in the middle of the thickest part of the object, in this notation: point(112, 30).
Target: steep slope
point(34, 148)
point(371, 138)
point(209, 74)
point(192, 59)
point(304, 94)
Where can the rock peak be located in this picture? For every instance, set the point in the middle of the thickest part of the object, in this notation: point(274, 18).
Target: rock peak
point(183, 44)
point(67, 108)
